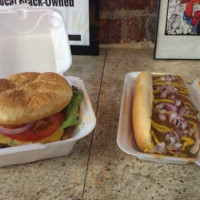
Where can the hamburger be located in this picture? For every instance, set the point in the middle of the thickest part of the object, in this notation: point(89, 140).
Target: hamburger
point(165, 120)
point(37, 108)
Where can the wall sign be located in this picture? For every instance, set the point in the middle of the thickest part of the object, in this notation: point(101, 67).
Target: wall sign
point(178, 31)
point(81, 18)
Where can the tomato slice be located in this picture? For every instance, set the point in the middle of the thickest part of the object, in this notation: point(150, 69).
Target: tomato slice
point(41, 129)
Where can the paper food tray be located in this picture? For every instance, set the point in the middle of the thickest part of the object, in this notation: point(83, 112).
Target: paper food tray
point(33, 152)
point(125, 135)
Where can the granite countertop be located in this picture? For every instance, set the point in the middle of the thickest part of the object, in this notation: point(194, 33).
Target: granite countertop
point(97, 169)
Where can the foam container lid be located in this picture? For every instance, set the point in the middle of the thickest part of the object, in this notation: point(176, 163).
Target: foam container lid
point(125, 135)
point(35, 40)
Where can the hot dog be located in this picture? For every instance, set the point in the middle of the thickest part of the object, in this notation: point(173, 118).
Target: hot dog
point(164, 118)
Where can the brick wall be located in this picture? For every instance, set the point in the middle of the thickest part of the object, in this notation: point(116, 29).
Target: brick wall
point(125, 21)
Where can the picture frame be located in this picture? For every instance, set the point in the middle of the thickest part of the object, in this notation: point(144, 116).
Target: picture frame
point(178, 30)
point(93, 47)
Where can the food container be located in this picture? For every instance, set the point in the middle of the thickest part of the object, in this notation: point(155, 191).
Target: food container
point(125, 135)
point(36, 40)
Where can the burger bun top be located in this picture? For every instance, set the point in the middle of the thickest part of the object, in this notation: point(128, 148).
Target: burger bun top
point(31, 96)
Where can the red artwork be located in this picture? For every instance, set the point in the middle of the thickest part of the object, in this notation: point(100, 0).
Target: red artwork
point(183, 17)
point(189, 12)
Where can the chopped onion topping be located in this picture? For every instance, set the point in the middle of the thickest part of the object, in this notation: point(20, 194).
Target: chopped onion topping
point(161, 87)
point(163, 111)
point(163, 78)
point(163, 95)
point(190, 133)
point(160, 106)
point(181, 111)
point(180, 133)
point(178, 120)
point(172, 140)
point(171, 77)
point(177, 145)
point(170, 107)
point(159, 148)
point(177, 103)
point(172, 116)
point(172, 97)
point(184, 125)
point(167, 137)
point(187, 112)
point(162, 117)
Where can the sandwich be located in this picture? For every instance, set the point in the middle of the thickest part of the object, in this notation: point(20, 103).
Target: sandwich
point(37, 108)
point(165, 120)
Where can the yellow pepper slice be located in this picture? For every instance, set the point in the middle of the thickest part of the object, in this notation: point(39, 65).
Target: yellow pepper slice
point(179, 86)
point(159, 83)
point(156, 91)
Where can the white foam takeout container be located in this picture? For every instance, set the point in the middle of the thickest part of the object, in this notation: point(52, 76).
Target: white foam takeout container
point(125, 135)
point(36, 40)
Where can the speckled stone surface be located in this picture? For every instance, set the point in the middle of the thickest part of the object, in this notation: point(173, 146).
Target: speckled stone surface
point(97, 169)
point(60, 178)
point(113, 174)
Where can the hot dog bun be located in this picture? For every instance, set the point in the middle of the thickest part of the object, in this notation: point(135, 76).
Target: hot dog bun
point(142, 110)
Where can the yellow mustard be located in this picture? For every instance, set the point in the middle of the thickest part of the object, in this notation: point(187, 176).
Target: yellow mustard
point(193, 124)
point(182, 88)
point(186, 142)
point(154, 137)
point(160, 128)
point(188, 104)
point(163, 101)
point(156, 91)
point(159, 83)
point(179, 86)
point(190, 116)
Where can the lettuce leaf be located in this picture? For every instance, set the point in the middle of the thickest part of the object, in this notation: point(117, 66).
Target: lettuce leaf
point(72, 110)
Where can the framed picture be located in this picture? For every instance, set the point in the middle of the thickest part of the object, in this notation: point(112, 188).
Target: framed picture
point(88, 42)
point(80, 16)
point(178, 30)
